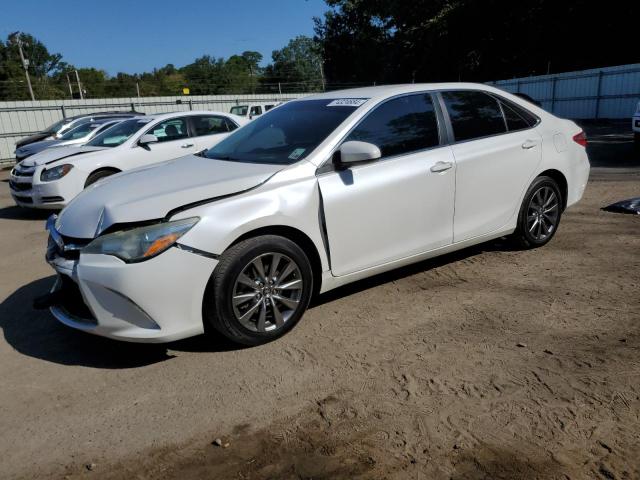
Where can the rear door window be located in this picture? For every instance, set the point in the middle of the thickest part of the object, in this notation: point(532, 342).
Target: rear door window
point(473, 114)
point(401, 125)
point(209, 125)
point(257, 110)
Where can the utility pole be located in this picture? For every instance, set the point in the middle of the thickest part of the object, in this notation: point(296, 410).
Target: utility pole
point(138, 89)
point(322, 76)
point(25, 62)
point(69, 83)
point(79, 85)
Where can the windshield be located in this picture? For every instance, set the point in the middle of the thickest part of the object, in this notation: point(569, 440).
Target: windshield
point(239, 110)
point(80, 131)
point(284, 135)
point(56, 126)
point(118, 134)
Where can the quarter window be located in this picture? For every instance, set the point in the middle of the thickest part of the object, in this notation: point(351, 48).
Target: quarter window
point(512, 110)
point(399, 126)
point(169, 130)
point(473, 114)
point(514, 120)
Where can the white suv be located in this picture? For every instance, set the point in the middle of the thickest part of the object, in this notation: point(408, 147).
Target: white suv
point(53, 177)
point(252, 110)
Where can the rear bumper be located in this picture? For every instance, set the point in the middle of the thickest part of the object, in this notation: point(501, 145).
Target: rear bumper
point(159, 300)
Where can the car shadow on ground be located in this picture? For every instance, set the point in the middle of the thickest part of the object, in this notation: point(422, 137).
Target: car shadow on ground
point(20, 213)
point(36, 333)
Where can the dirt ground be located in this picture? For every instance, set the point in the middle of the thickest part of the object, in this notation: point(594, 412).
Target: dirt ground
point(488, 363)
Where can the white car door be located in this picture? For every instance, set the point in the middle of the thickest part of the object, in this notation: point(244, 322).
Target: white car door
point(494, 164)
point(208, 130)
point(173, 141)
point(400, 205)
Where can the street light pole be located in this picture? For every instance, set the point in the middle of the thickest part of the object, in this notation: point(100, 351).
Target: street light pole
point(25, 62)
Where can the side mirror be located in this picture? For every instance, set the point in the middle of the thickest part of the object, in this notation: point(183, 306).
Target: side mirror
point(147, 138)
point(355, 152)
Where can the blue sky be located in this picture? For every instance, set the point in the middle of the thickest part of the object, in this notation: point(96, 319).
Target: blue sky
point(138, 35)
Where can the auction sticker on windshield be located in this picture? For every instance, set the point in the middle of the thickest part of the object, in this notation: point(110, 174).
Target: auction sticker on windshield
point(347, 102)
point(296, 153)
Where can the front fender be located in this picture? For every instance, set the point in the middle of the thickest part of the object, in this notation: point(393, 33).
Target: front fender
point(295, 205)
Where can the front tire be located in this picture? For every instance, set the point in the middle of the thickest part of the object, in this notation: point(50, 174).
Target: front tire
point(259, 290)
point(539, 214)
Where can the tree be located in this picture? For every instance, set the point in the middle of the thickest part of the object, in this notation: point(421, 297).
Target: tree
point(448, 40)
point(299, 62)
point(42, 65)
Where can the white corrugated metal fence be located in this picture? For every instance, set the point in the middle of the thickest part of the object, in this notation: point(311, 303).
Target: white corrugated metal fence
point(611, 92)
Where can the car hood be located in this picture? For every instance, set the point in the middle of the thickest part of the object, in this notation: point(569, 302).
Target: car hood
point(36, 147)
point(150, 193)
point(51, 155)
point(32, 138)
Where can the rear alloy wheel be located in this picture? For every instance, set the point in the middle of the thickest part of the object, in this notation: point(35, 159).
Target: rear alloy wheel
point(540, 213)
point(259, 290)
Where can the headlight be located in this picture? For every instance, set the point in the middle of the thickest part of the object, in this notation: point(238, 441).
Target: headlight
point(55, 173)
point(141, 243)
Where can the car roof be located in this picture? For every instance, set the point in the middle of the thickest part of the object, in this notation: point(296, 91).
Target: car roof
point(114, 113)
point(189, 113)
point(384, 91)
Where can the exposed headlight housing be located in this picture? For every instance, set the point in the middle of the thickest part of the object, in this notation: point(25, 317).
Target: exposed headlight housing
point(141, 243)
point(55, 173)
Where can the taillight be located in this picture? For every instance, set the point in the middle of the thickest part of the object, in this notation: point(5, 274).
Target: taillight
point(580, 139)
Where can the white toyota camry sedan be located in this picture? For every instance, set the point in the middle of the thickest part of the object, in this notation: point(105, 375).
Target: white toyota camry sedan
point(51, 178)
point(317, 193)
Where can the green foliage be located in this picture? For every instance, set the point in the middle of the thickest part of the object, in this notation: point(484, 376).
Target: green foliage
point(299, 63)
point(395, 41)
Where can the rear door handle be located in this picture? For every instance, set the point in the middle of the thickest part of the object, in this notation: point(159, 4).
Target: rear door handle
point(186, 145)
point(529, 144)
point(441, 167)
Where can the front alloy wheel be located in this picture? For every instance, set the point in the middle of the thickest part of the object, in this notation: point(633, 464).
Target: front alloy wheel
point(267, 292)
point(259, 290)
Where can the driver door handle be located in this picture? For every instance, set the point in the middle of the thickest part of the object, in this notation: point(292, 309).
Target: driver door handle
point(441, 167)
point(186, 145)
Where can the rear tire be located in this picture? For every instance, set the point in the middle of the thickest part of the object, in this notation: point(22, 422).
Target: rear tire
point(259, 290)
point(95, 176)
point(540, 214)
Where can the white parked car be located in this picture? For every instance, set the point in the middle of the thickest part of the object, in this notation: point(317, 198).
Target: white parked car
point(53, 177)
point(252, 110)
point(635, 124)
point(318, 193)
